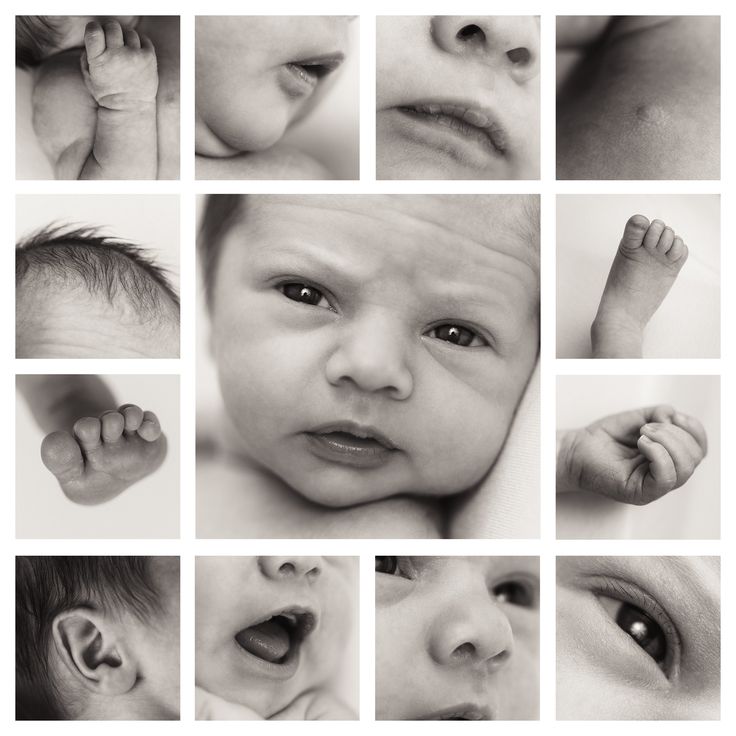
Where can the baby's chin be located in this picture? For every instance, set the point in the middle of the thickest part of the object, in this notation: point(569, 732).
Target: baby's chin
point(217, 138)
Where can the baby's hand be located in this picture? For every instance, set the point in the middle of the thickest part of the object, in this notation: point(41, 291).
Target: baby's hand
point(634, 457)
point(119, 66)
point(103, 456)
point(315, 705)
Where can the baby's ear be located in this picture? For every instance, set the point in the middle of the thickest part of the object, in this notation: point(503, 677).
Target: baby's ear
point(92, 649)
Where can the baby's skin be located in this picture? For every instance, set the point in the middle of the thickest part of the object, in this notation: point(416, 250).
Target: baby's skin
point(94, 451)
point(119, 117)
point(649, 258)
point(634, 457)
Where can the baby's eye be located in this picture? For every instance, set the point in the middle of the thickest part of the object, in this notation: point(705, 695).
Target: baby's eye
point(457, 335)
point(303, 293)
point(641, 627)
point(397, 566)
point(514, 592)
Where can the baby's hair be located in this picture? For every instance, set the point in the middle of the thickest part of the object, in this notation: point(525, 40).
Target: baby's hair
point(220, 211)
point(48, 586)
point(105, 265)
point(34, 36)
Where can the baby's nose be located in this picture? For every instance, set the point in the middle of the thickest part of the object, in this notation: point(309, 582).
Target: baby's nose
point(371, 355)
point(510, 43)
point(471, 632)
point(290, 568)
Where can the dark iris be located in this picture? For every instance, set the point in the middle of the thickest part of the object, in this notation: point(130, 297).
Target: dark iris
point(387, 565)
point(643, 630)
point(455, 334)
point(302, 293)
point(514, 593)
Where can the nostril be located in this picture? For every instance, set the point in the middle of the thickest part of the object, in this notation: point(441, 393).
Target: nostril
point(519, 56)
point(287, 569)
point(464, 650)
point(471, 34)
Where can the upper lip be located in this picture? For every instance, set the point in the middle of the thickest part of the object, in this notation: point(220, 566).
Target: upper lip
point(303, 618)
point(461, 711)
point(359, 430)
point(482, 118)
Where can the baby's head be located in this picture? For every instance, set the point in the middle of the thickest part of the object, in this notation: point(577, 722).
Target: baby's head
point(83, 295)
point(457, 638)
point(457, 97)
point(271, 628)
point(39, 36)
point(97, 638)
point(256, 75)
point(369, 346)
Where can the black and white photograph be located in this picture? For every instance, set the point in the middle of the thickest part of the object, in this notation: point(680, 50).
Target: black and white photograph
point(638, 97)
point(638, 638)
point(97, 276)
point(96, 638)
point(373, 355)
point(638, 276)
point(457, 638)
point(276, 638)
point(97, 97)
point(277, 97)
point(97, 456)
point(638, 457)
point(457, 97)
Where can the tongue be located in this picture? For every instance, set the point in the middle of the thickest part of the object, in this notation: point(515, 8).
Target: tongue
point(268, 640)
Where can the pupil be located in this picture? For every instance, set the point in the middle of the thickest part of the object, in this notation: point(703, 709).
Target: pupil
point(386, 564)
point(644, 631)
point(453, 334)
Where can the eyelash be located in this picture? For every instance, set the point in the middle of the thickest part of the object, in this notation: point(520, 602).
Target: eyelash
point(454, 333)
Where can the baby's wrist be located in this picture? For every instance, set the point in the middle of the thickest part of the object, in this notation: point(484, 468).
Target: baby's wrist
point(566, 481)
point(124, 103)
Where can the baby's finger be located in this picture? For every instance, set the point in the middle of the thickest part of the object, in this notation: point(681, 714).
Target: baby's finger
point(150, 429)
point(680, 445)
point(131, 38)
point(659, 413)
point(694, 427)
point(113, 424)
point(94, 40)
point(133, 416)
point(662, 475)
point(113, 34)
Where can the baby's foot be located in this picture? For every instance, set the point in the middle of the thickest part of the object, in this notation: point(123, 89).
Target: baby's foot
point(105, 455)
point(646, 265)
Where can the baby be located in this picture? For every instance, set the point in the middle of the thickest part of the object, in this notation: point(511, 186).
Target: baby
point(638, 638)
point(369, 348)
point(457, 97)
point(639, 97)
point(255, 77)
point(105, 93)
point(80, 294)
point(97, 638)
point(457, 638)
point(271, 634)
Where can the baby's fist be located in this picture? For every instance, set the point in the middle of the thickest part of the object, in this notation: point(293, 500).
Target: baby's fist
point(119, 66)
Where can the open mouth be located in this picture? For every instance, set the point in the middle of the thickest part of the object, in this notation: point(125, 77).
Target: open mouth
point(301, 77)
point(351, 444)
point(464, 712)
point(276, 640)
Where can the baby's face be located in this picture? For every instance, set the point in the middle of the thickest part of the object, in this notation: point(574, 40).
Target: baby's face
point(369, 346)
point(457, 97)
point(255, 76)
point(638, 638)
point(270, 628)
point(457, 638)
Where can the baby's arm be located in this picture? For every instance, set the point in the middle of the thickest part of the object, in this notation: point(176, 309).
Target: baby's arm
point(94, 450)
point(100, 124)
point(634, 457)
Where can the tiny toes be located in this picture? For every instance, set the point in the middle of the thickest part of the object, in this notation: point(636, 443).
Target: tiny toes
point(150, 429)
point(60, 453)
point(113, 424)
point(133, 416)
point(634, 231)
point(665, 240)
point(87, 431)
point(678, 251)
point(131, 38)
point(653, 234)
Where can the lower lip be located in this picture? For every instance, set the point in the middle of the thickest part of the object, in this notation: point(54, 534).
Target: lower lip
point(295, 82)
point(343, 449)
point(469, 146)
point(461, 713)
point(273, 670)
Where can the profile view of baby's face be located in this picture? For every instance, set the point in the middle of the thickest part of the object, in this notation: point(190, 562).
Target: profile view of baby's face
point(457, 97)
point(271, 628)
point(256, 75)
point(369, 346)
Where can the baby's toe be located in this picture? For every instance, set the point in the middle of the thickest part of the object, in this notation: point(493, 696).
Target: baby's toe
point(113, 424)
point(665, 240)
point(94, 40)
point(150, 429)
point(634, 231)
point(60, 453)
point(133, 416)
point(113, 34)
point(653, 234)
point(87, 431)
point(678, 252)
point(131, 38)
